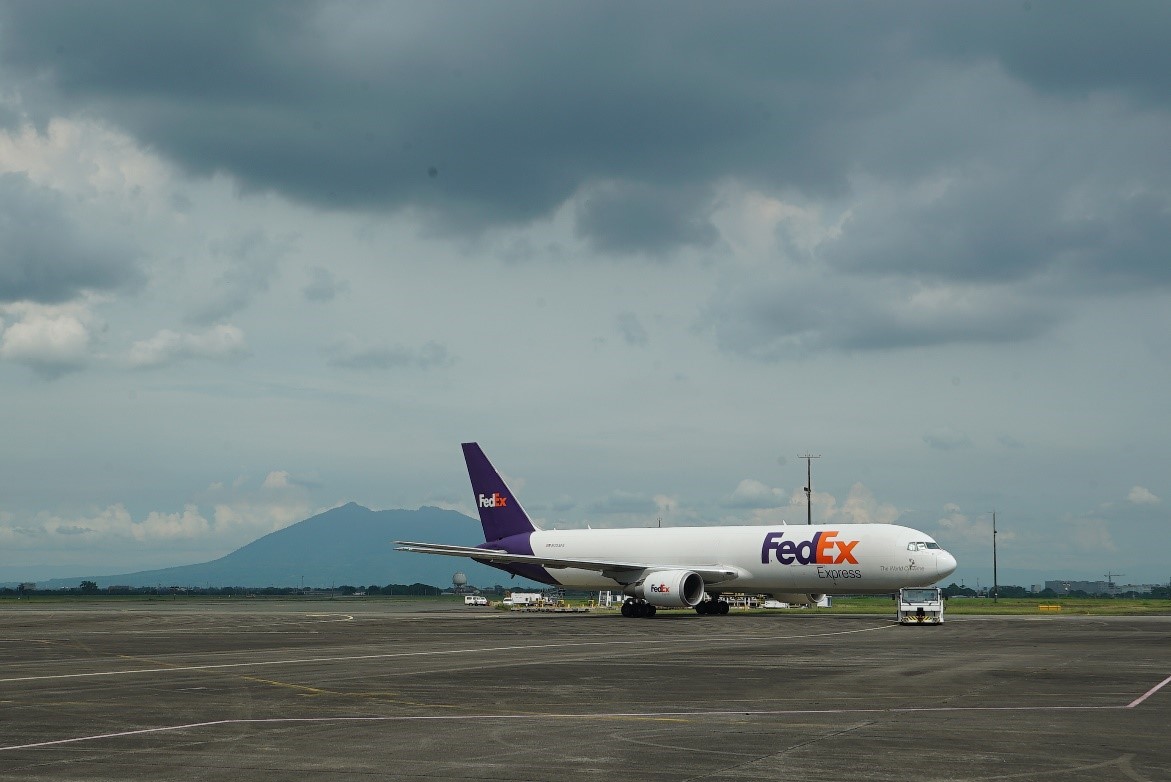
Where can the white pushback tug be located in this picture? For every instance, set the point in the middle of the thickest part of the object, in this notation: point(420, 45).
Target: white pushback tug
point(920, 606)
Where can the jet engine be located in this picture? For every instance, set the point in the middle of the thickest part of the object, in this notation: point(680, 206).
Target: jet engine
point(669, 588)
point(797, 600)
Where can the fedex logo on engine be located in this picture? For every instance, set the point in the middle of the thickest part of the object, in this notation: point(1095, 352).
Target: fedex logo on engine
point(497, 500)
point(660, 588)
point(824, 549)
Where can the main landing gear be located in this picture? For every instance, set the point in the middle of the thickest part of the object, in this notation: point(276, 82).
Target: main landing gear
point(632, 606)
point(639, 608)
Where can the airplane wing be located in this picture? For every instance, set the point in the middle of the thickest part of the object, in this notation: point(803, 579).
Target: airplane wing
point(622, 572)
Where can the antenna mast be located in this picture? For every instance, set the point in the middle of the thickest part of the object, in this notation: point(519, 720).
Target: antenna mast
point(809, 457)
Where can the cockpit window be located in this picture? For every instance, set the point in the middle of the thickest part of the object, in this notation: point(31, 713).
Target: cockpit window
point(932, 544)
point(922, 545)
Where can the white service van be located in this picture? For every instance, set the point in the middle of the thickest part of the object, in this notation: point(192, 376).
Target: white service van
point(475, 600)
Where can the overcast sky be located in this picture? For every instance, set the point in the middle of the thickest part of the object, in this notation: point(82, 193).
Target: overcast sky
point(260, 259)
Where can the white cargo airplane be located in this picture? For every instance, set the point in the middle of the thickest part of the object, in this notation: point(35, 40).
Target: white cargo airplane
point(690, 567)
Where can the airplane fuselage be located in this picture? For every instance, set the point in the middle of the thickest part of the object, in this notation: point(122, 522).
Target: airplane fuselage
point(841, 559)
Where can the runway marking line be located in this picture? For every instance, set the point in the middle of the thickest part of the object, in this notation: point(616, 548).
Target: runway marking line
point(1148, 693)
point(172, 668)
point(662, 715)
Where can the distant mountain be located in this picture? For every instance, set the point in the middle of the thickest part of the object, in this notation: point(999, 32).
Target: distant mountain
point(346, 545)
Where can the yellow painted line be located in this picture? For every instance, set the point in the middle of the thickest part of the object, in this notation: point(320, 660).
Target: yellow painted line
point(288, 685)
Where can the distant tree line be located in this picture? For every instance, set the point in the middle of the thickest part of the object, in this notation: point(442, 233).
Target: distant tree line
point(416, 589)
point(955, 590)
point(88, 588)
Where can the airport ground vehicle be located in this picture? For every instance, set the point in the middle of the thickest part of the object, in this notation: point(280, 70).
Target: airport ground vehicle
point(919, 606)
point(524, 599)
point(475, 600)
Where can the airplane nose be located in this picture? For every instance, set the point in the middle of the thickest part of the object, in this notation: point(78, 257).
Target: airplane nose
point(945, 564)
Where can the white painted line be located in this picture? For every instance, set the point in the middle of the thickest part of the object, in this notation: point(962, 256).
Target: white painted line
point(1148, 693)
point(600, 716)
point(428, 653)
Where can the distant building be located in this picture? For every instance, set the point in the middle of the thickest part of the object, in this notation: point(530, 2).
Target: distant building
point(1089, 587)
point(1096, 587)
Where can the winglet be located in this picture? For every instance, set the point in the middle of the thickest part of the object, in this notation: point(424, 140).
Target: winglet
point(500, 512)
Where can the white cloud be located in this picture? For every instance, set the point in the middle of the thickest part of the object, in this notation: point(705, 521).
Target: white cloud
point(962, 530)
point(751, 493)
point(240, 514)
point(49, 339)
point(223, 342)
point(277, 479)
point(860, 507)
point(83, 158)
point(112, 526)
point(1140, 495)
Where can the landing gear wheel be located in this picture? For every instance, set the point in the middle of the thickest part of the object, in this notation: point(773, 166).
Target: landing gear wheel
point(627, 608)
point(722, 607)
point(651, 611)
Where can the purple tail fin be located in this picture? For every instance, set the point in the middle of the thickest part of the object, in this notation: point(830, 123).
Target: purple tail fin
point(500, 513)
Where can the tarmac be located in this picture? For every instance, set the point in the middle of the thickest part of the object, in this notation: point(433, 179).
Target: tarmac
point(355, 689)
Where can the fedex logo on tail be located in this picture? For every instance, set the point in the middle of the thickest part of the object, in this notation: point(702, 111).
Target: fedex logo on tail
point(824, 549)
point(497, 500)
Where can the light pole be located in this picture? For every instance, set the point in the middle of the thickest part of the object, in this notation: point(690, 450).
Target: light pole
point(809, 457)
point(995, 581)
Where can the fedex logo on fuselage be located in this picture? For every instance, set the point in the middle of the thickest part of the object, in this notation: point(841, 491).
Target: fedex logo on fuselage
point(497, 500)
point(824, 549)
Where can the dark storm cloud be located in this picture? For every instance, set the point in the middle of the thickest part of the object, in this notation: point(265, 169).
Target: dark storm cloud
point(485, 114)
point(46, 256)
point(991, 144)
point(629, 218)
point(794, 315)
point(1006, 230)
point(1072, 48)
point(349, 354)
